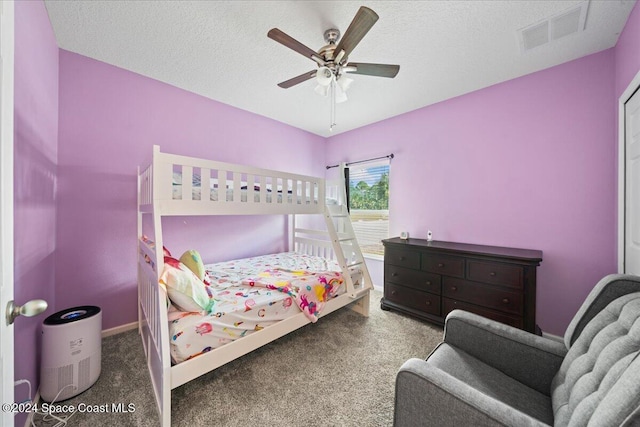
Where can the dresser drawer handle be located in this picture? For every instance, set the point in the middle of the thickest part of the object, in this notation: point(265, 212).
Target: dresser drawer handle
point(505, 300)
point(493, 273)
point(440, 264)
point(453, 288)
point(401, 258)
point(427, 302)
point(428, 283)
point(394, 274)
point(393, 292)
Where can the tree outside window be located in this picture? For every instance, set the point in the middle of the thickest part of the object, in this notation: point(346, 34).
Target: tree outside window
point(369, 205)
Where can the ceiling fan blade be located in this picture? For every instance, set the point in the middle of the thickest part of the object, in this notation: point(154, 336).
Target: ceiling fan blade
point(359, 27)
point(378, 70)
point(299, 79)
point(294, 44)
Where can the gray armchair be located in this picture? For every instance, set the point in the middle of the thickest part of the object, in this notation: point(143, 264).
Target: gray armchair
point(485, 373)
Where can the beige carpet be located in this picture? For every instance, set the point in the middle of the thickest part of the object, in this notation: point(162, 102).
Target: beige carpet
point(337, 372)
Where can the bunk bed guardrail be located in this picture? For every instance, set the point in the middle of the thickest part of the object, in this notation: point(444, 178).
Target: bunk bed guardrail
point(180, 185)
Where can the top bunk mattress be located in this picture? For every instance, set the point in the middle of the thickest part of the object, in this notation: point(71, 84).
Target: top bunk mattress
point(249, 295)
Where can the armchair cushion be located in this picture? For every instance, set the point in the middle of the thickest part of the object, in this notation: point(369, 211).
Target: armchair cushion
point(529, 359)
point(492, 382)
point(428, 396)
point(606, 290)
point(605, 352)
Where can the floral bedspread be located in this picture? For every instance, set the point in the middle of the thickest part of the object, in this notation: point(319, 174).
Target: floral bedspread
point(251, 294)
point(310, 290)
point(309, 280)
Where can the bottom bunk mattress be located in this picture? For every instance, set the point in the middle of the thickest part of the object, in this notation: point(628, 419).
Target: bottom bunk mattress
point(251, 294)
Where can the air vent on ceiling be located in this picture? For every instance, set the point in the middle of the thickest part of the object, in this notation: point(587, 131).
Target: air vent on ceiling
point(553, 28)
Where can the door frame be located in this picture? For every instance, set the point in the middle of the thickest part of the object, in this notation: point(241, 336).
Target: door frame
point(634, 85)
point(7, 46)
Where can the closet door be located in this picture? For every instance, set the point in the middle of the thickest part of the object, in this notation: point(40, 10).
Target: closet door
point(632, 185)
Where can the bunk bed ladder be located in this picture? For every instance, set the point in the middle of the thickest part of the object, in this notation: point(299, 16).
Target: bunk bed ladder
point(343, 237)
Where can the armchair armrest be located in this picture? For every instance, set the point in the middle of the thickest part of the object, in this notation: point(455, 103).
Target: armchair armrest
point(428, 396)
point(528, 358)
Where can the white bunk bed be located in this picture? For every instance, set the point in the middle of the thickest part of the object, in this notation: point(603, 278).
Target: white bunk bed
point(234, 190)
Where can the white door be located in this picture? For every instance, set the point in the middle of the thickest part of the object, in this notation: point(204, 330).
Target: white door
point(6, 204)
point(632, 185)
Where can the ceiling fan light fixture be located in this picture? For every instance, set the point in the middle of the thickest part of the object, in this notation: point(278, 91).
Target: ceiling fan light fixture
point(322, 90)
point(341, 96)
point(344, 82)
point(324, 76)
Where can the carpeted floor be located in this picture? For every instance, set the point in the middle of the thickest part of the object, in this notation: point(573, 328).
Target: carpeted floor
point(337, 372)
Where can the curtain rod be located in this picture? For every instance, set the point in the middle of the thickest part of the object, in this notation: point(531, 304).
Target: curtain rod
point(388, 156)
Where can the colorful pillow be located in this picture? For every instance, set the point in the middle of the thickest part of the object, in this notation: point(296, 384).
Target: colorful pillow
point(193, 261)
point(185, 290)
point(152, 245)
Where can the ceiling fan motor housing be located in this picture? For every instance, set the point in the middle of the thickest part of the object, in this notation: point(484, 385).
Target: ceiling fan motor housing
point(327, 52)
point(331, 36)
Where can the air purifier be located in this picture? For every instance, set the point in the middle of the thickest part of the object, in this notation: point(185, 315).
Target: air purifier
point(71, 352)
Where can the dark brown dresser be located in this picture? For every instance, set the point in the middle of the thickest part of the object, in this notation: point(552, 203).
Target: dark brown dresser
point(430, 279)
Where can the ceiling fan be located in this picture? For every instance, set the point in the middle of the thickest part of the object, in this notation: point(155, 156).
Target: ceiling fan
point(333, 59)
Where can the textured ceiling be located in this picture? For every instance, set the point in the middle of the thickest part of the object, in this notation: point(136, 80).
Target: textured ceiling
point(220, 49)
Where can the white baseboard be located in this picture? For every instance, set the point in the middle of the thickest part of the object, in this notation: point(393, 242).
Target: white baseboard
point(119, 329)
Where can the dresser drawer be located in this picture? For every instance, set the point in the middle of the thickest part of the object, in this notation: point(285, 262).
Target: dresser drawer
point(443, 264)
point(480, 294)
point(449, 305)
point(422, 301)
point(402, 258)
point(495, 273)
point(416, 279)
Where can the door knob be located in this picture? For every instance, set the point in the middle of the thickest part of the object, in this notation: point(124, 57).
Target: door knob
point(29, 309)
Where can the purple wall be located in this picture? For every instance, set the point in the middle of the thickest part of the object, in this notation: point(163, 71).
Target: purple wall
point(109, 120)
point(36, 152)
point(627, 52)
point(527, 163)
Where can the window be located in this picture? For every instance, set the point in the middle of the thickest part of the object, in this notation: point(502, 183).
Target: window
point(369, 205)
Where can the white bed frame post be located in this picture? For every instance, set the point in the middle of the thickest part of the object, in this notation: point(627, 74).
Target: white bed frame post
point(162, 173)
point(153, 323)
